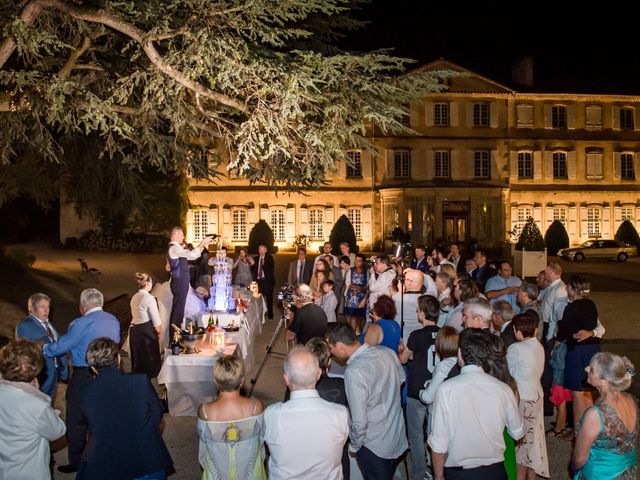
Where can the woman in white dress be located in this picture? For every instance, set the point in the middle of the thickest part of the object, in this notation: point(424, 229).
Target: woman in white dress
point(525, 360)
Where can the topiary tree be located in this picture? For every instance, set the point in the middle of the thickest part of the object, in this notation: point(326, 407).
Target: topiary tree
point(530, 238)
point(627, 233)
point(343, 231)
point(556, 238)
point(261, 234)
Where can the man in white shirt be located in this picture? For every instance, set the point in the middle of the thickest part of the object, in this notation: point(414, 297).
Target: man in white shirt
point(380, 277)
point(554, 299)
point(470, 414)
point(407, 304)
point(326, 250)
point(307, 434)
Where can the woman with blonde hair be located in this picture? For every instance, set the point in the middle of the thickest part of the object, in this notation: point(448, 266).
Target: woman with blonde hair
point(145, 329)
point(231, 428)
point(607, 433)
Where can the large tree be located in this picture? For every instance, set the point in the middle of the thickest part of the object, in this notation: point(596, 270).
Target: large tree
point(153, 78)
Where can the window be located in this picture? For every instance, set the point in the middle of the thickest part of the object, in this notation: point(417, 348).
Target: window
point(443, 163)
point(238, 225)
point(481, 164)
point(402, 163)
point(626, 166)
point(355, 217)
point(199, 163)
point(593, 117)
point(626, 118)
point(441, 114)
point(560, 214)
point(406, 117)
point(200, 224)
point(524, 116)
point(559, 165)
point(594, 164)
point(354, 165)
point(559, 116)
point(316, 224)
point(524, 213)
point(277, 224)
point(525, 165)
point(593, 222)
point(626, 213)
point(480, 115)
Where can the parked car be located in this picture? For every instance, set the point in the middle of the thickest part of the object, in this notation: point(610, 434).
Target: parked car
point(612, 249)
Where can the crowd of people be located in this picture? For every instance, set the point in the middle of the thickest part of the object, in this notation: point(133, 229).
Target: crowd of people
point(446, 362)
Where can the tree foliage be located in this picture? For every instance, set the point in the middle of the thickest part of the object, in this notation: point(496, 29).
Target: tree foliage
point(556, 237)
point(151, 78)
point(343, 231)
point(627, 233)
point(530, 238)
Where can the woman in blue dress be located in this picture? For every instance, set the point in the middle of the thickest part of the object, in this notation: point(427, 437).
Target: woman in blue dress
point(355, 297)
point(384, 330)
point(607, 433)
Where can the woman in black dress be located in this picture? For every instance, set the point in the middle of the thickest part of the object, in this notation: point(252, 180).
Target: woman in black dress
point(580, 314)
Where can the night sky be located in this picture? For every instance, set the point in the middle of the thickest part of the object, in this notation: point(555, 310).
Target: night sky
point(574, 48)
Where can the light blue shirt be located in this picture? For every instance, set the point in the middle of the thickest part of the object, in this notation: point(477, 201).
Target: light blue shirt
point(498, 282)
point(82, 331)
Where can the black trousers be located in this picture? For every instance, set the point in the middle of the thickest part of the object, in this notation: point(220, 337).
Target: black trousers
point(179, 290)
point(374, 467)
point(265, 287)
point(495, 471)
point(76, 427)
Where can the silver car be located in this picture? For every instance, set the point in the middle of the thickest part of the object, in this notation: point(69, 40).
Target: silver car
point(611, 249)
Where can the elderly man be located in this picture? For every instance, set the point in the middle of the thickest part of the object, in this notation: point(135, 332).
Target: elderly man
point(501, 319)
point(263, 272)
point(94, 323)
point(470, 413)
point(528, 300)
point(345, 251)
point(178, 257)
point(372, 381)
point(37, 326)
point(308, 320)
point(503, 286)
point(477, 313)
point(407, 304)
point(306, 435)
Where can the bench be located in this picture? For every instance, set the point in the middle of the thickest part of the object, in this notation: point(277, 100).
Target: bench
point(89, 273)
point(120, 308)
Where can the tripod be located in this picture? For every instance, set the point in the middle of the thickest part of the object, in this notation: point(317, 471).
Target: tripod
point(274, 339)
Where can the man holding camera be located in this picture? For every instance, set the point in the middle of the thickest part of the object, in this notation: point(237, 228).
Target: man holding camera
point(308, 320)
point(380, 278)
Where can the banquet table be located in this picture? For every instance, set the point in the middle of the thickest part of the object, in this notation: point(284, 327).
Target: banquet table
point(189, 377)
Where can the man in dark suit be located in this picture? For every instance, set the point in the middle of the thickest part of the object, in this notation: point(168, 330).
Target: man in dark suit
point(501, 319)
point(484, 271)
point(38, 327)
point(300, 269)
point(262, 271)
point(420, 262)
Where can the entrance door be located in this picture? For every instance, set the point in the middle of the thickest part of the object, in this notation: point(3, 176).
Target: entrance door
point(455, 228)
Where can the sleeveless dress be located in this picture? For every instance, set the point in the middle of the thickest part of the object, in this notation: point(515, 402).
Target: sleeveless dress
point(352, 299)
point(232, 450)
point(613, 454)
point(390, 334)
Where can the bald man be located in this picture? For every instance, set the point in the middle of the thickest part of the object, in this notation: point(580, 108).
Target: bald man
point(407, 307)
point(307, 434)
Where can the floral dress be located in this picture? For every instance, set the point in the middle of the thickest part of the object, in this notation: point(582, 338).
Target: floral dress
point(613, 454)
point(354, 298)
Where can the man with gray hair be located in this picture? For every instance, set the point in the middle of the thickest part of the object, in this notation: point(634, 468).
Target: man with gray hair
point(307, 434)
point(477, 313)
point(308, 319)
point(527, 298)
point(94, 323)
point(501, 319)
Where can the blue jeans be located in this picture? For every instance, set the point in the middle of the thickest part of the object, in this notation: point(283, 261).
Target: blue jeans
point(374, 467)
point(416, 413)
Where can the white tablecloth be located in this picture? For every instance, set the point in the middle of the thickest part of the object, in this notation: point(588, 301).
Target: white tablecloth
point(189, 378)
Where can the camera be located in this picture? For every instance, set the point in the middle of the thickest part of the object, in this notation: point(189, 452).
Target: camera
point(371, 262)
point(285, 295)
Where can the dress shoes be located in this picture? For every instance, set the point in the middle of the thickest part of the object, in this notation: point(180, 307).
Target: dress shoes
point(67, 468)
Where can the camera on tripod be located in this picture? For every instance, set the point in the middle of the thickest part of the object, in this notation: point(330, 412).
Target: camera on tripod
point(285, 295)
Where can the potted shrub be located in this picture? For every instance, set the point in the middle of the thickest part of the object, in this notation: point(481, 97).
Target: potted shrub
point(627, 233)
point(556, 238)
point(530, 255)
point(343, 231)
point(261, 234)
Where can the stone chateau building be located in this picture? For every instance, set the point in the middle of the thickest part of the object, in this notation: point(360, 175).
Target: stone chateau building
point(484, 158)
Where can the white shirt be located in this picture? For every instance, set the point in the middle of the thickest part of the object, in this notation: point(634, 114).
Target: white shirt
point(469, 417)
point(430, 286)
point(144, 308)
point(380, 286)
point(407, 305)
point(526, 363)
point(177, 251)
point(552, 305)
point(27, 425)
point(306, 436)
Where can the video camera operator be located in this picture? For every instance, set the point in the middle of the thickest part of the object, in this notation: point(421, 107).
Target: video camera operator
point(308, 320)
point(380, 278)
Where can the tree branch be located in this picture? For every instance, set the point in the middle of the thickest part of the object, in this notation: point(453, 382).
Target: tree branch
point(70, 64)
point(33, 9)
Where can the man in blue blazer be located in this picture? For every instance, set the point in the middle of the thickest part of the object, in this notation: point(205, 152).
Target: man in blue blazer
point(38, 327)
point(94, 323)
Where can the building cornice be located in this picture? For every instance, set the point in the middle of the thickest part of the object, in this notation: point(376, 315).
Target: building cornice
point(566, 187)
